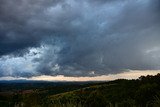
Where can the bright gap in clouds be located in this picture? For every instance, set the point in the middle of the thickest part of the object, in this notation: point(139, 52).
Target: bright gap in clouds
point(132, 74)
point(21, 66)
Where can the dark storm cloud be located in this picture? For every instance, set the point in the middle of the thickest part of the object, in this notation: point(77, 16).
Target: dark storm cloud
point(15, 32)
point(83, 38)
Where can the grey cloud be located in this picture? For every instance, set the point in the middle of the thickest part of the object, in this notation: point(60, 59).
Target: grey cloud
point(15, 32)
point(85, 38)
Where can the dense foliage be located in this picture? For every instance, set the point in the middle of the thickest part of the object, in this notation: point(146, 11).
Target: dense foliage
point(143, 92)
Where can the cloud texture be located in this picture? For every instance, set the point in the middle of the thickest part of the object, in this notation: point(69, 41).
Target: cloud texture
point(78, 37)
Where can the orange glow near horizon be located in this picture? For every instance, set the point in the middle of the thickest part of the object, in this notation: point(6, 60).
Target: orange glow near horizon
point(132, 74)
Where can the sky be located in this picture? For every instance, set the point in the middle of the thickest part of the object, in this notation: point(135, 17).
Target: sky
point(79, 39)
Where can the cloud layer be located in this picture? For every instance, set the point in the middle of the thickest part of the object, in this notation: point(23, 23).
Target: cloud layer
point(78, 38)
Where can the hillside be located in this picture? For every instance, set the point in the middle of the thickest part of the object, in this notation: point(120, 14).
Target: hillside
point(143, 92)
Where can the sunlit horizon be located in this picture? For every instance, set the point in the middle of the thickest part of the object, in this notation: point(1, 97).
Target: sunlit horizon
point(132, 74)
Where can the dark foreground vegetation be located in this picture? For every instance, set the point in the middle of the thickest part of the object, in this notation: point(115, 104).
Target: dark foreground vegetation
point(143, 92)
